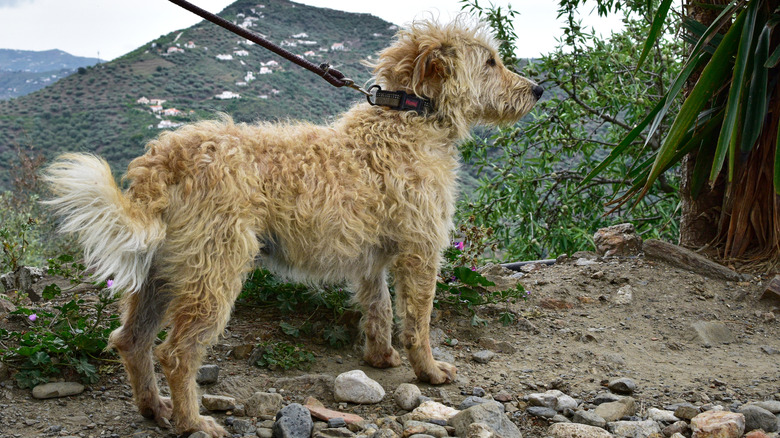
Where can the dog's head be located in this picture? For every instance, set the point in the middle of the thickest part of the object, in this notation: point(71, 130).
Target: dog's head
point(458, 67)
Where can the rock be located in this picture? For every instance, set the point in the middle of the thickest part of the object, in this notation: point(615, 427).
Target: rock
point(473, 401)
point(264, 432)
point(661, 415)
point(503, 396)
point(687, 259)
point(5, 372)
point(293, 421)
point(686, 411)
point(432, 410)
point(6, 306)
point(605, 397)
point(487, 413)
point(541, 411)
point(552, 399)
point(315, 385)
point(333, 432)
point(588, 417)
point(718, 424)
point(574, 430)
point(385, 433)
point(243, 426)
point(757, 417)
point(497, 346)
point(218, 402)
point(617, 241)
point(624, 386)
point(547, 399)
point(407, 396)
point(634, 429)
point(413, 427)
point(356, 387)
point(323, 413)
point(769, 349)
point(771, 294)
point(480, 430)
point(442, 355)
point(198, 434)
point(207, 374)
point(756, 434)
point(22, 280)
point(57, 389)
point(772, 406)
point(614, 411)
point(483, 356)
point(390, 423)
point(243, 351)
point(558, 418)
point(264, 405)
point(678, 427)
point(478, 391)
point(711, 333)
point(440, 394)
point(565, 403)
point(624, 296)
point(335, 423)
point(585, 262)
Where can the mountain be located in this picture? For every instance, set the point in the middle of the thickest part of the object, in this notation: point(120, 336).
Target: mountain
point(113, 108)
point(25, 71)
point(41, 62)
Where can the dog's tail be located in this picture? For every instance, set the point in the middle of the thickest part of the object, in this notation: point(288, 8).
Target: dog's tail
point(119, 236)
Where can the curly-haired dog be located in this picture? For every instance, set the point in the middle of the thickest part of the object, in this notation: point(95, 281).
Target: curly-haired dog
point(372, 193)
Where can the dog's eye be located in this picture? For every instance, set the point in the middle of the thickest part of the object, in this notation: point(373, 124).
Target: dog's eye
point(491, 62)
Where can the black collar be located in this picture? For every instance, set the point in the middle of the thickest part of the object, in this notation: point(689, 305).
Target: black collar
point(399, 100)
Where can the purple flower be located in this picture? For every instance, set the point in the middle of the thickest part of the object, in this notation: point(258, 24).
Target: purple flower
point(109, 283)
point(459, 245)
point(33, 317)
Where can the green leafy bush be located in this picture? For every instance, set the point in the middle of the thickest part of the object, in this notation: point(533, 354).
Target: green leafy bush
point(65, 340)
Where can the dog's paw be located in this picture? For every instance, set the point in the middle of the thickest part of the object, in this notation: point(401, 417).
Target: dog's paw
point(159, 410)
point(383, 360)
point(210, 426)
point(440, 374)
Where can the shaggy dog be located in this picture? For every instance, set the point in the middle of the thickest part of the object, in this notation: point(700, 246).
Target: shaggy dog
point(370, 194)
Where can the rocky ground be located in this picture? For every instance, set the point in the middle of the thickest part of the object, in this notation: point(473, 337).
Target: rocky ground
point(641, 340)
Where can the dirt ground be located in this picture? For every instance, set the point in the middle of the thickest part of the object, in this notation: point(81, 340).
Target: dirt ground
point(570, 335)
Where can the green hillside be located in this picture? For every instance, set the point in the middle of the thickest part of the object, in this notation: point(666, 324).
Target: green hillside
point(98, 109)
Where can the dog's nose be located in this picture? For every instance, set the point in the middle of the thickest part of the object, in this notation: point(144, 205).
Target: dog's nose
point(537, 90)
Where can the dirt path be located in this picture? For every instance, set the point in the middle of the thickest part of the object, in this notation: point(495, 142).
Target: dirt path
point(571, 335)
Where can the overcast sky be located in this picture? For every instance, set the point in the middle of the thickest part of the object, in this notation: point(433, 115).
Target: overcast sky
point(112, 28)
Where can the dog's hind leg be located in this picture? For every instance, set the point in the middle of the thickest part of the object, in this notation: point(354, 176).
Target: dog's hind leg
point(141, 319)
point(210, 269)
point(377, 321)
point(415, 280)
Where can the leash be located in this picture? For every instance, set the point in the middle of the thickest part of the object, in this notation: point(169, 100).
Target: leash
point(397, 100)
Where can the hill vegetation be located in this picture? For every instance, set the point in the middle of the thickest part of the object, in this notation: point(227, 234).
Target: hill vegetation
point(101, 109)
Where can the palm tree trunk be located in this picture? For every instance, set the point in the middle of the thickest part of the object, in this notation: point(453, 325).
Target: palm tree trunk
point(698, 215)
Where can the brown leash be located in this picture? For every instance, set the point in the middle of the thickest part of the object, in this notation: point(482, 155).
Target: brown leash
point(397, 100)
point(333, 76)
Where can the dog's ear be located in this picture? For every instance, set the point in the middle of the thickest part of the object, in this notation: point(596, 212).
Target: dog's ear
point(433, 65)
point(419, 61)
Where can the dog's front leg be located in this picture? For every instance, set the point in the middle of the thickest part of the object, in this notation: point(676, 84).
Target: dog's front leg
point(415, 279)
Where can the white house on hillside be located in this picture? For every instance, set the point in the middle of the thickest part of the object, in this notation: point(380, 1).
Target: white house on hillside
point(228, 95)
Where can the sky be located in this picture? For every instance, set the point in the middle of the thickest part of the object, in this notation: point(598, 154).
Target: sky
point(110, 28)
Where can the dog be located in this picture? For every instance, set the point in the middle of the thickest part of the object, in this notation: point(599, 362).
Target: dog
point(371, 194)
